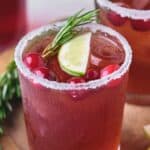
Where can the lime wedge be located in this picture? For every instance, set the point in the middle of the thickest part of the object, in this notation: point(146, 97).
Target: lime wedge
point(73, 56)
point(147, 131)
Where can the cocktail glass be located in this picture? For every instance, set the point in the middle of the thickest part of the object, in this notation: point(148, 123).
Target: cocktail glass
point(55, 119)
point(134, 24)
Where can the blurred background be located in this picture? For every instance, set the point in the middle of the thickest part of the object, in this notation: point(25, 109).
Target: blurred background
point(41, 12)
point(20, 16)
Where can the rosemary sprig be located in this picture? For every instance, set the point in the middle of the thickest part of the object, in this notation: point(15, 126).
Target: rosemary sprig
point(67, 32)
point(9, 89)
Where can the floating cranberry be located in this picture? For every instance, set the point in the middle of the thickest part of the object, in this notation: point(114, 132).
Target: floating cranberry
point(76, 94)
point(33, 60)
point(92, 74)
point(115, 18)
point(141, 25)
point(60, 75)
point(109, 69)
point(75, 80)
point(52, 75)
point(42, 72)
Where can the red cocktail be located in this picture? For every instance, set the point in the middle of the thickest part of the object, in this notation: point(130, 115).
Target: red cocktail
point(74, 113)
point(12, 21)
point(132, 19)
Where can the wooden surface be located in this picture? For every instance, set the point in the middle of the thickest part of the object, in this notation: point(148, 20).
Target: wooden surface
point(15, 135)
point(135, 117)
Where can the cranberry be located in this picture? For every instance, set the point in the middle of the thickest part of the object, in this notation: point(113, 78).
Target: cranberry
point(52, 75)
point(115, 18)
point(42, 72)
point(92, 74)
point(109, 69)
point(60, 75)
point(141, 25)
point(33, 60)
point(76, 94)
point(75, 80)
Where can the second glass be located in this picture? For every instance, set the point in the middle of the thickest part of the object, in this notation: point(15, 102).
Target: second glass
point(132, 19)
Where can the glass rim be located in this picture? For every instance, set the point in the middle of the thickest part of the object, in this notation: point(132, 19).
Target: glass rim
point(67, 86)
point(125, 12)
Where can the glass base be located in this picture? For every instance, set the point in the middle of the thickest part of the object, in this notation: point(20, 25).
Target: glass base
point(138, 99)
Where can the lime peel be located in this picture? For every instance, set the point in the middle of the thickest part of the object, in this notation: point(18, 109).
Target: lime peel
point(73, 56)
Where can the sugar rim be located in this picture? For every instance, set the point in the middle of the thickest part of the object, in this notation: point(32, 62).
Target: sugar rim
point(125, 12)
point(66, 86)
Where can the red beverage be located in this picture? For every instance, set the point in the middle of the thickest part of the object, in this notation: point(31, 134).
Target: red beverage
point(74, 113)
point(12, 21)
point(132, 19)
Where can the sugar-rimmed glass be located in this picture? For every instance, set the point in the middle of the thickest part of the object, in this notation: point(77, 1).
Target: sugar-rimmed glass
point(55, 119)
point(135, 26)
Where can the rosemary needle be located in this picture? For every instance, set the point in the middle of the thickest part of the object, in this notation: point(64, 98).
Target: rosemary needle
point(9, 89)
point(67, 32)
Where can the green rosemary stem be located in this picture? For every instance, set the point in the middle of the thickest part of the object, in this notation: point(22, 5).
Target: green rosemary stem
point(67, 32)
point(9, 89)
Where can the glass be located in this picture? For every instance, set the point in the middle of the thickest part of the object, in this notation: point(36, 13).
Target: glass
point(56, 120)
point(12, 22)
point(133, 21)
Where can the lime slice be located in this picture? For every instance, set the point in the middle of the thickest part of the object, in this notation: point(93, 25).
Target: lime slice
point(73, 56)
point(147, 131)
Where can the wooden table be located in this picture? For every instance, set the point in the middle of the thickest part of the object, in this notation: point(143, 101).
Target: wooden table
point(135, 117)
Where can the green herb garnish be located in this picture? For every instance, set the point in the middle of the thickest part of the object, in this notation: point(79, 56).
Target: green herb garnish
point(9, 90)
point(67, 32)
